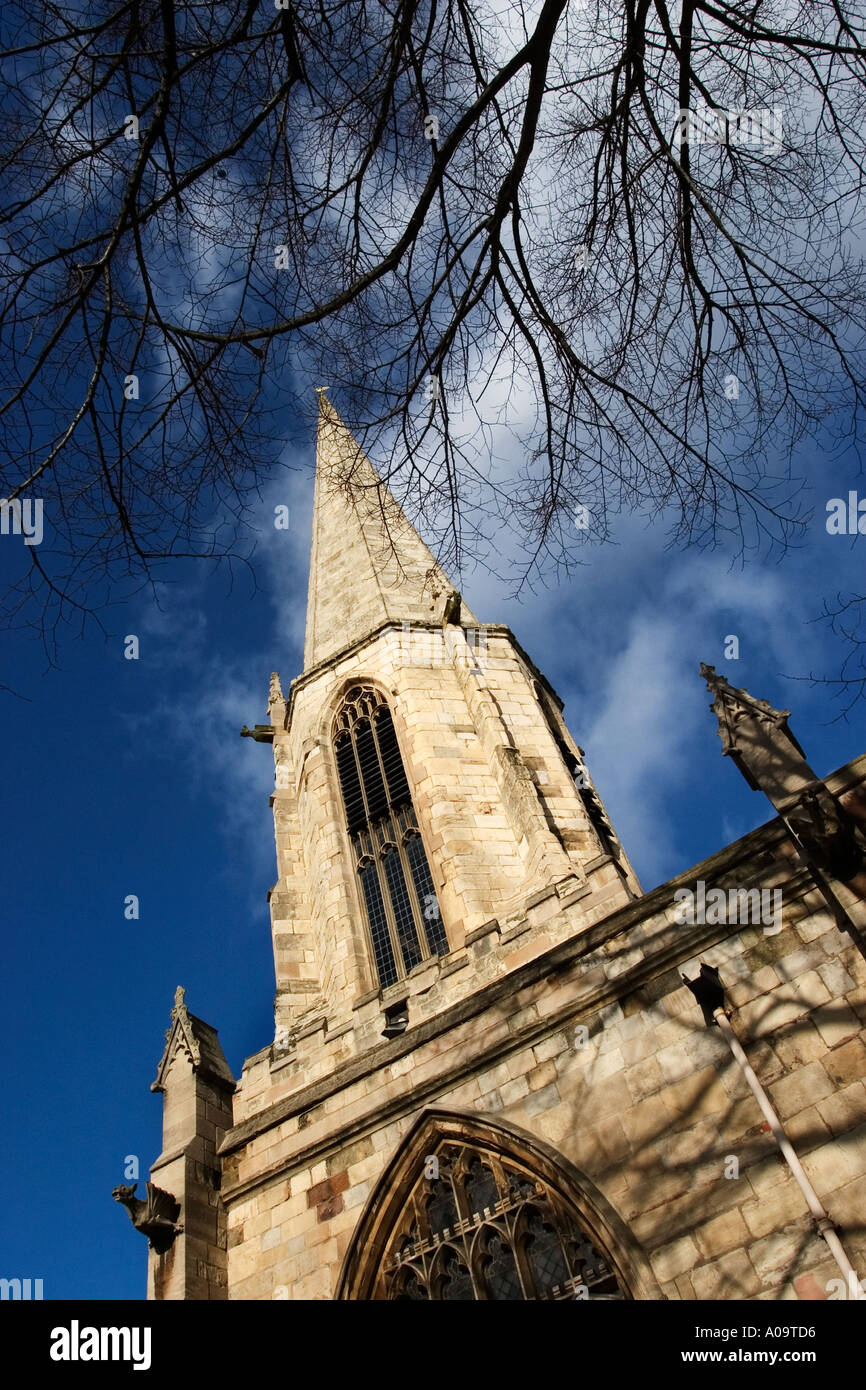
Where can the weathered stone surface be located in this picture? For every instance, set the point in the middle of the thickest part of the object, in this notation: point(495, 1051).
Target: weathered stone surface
point(196, 1086)
point(558, 1020)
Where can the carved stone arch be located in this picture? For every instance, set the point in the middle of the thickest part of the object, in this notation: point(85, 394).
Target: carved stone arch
point(326, 723)
point(448, 1270)
point(332, 704)
point(538, 1174)
point(384, 841)
point(325, 726)
point(320, 744)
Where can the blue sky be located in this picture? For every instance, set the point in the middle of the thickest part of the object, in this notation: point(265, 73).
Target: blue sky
point(129, 777)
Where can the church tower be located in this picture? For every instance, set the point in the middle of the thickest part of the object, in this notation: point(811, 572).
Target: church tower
point(488, 1079)
point(435, 823)
point(428, 794)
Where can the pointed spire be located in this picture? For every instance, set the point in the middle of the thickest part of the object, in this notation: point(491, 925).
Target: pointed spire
point(829, 835)
point(197, 1040)
point(756, 736)
point(368, 565)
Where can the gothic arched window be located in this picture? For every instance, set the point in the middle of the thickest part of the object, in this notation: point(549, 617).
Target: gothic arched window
point(479, 1225)
point(396, 886)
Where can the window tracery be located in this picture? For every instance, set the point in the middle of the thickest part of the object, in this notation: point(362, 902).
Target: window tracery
point(487, 1228)
point(397, 888)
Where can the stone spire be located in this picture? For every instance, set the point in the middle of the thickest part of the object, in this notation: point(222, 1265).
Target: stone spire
point(756, 736)
point(197, 1088)
point(368, 565)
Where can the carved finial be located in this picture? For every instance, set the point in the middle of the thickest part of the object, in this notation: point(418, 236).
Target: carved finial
point(756, 736)
point(735, 709)
point(180, 1034)
point(276, 691)
point(180, 1018)
point(709, 675)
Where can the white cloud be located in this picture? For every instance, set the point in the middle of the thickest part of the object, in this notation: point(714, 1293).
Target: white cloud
point(638, 736)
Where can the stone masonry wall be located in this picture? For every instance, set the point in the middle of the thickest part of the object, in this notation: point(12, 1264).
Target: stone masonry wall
point(651, 1109)
point(499, 814)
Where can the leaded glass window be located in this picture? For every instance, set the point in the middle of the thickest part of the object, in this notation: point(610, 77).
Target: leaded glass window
point(409, 1287)
point(544, 1250)
point(453, 1280)
point(481, 1189)
point(397, 889)
point(441, 1208)
point(499, 1269)
point(480, 1225)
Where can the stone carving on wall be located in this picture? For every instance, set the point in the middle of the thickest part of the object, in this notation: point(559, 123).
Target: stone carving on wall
point(155, 1215)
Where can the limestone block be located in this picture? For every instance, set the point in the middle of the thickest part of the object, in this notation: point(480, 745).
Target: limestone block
point(807, 1129)
point(647, 1122)
point(544, 1099)
point(837, 1163)
point(800, 1089)
point(514, 1091)
point(799, 1044)
point(677, 1257)
point(779, 1256)
point(732, 1276)
point(775, 1209)
point(835, 977)
point(836, 1022)
point(768, 1012)
point(845, 1109)
point(723, 1233)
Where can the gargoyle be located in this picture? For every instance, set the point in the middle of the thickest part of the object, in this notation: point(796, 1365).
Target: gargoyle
point(155, 1216)
point(451, 613)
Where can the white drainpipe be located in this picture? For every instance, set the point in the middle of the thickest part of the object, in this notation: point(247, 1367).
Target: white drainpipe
point(822, 1220)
